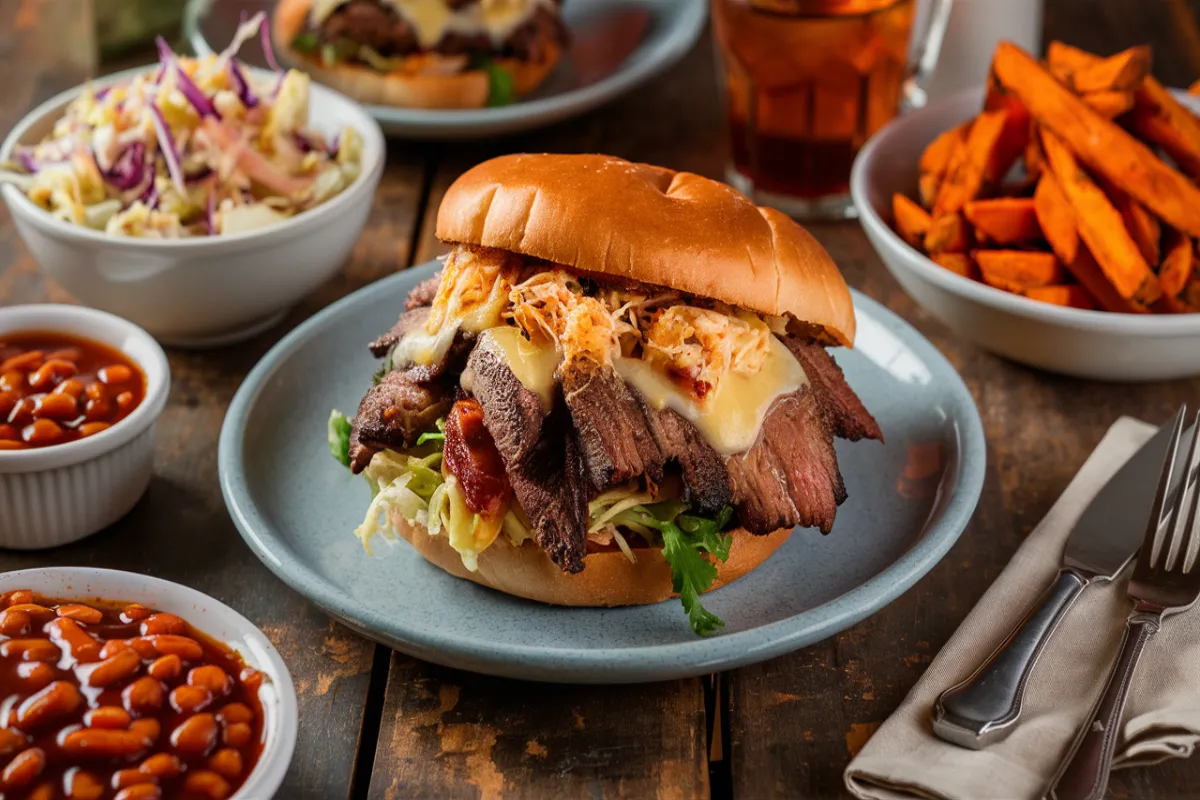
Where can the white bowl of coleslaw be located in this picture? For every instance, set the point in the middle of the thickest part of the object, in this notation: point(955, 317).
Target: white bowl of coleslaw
point(232, 268)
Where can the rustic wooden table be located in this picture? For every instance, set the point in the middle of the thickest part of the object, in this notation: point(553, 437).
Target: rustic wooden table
point(376, 724)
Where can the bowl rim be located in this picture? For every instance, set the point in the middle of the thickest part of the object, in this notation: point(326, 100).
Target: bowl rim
point(924, 268)
point(374, 158)
point(277, 751)
point(158, 384)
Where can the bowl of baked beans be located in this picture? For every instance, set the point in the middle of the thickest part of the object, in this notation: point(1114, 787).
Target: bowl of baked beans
point(118, 686)
point(81, 391)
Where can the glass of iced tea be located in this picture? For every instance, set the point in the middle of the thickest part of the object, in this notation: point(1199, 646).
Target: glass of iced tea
point(806, 82)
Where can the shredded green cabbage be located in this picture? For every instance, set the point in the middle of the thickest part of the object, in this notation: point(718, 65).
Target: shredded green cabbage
point(413, 486)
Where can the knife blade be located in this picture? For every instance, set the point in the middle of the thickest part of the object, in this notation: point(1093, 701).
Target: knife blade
point(984, 708)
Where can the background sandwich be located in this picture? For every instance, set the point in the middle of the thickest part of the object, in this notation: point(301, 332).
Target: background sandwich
point(424, 53)
point(616, 390)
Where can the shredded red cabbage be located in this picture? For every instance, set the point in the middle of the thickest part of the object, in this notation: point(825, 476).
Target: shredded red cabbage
point(166, 56)
point(129, 170)
point(24, 156)
point(166, 146)
point(264, 30)
point(240, 84)
point(211, 216)
point(335, 145)
point(197, 98)
point(149, 197)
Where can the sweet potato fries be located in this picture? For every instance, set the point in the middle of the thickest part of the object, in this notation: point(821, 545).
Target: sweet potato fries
point(1075, 185)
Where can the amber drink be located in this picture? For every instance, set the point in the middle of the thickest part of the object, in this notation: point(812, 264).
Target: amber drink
point(806, 82)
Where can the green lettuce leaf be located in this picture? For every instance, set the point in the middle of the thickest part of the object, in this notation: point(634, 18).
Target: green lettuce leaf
point(686, 538)
point(339, 437)
point(502, 91)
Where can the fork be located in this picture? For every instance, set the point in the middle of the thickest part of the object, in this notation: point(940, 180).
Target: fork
point(1164, 582)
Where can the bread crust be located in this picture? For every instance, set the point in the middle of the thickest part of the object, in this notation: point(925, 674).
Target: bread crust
point(467, 89)
point(608, 578)
point(604, 215)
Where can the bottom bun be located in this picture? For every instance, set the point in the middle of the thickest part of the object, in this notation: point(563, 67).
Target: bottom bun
point(608, 578)
point(408, 90)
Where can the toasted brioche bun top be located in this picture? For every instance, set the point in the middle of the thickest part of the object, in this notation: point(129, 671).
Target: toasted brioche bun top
point(601, 214)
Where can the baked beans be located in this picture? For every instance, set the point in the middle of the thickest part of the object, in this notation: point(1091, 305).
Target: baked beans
point(109, 701)
point(56, 388)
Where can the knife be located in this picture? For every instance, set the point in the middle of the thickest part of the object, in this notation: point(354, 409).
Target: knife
point(984, 708)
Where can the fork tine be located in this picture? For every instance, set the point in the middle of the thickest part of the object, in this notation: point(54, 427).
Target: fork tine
point(1187, 555)
point(1164, 488)
point(1183, 515)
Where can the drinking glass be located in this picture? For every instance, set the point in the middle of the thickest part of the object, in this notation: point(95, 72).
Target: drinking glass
point(806, 82)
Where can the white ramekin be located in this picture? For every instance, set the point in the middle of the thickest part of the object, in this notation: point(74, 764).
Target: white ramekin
point(219, 621)
point(55, 495)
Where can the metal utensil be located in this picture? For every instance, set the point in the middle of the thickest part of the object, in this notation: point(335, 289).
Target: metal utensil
point(1165, 581)
point(984, 708)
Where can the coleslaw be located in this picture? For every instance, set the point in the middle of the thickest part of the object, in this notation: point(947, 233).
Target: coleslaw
point(194, 147)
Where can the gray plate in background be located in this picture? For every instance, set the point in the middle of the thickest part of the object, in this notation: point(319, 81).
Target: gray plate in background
point(674, 26)
point(296, 507)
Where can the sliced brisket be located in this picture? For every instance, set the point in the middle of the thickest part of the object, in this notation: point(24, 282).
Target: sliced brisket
point(371, 23)
point(790, 476)
point(847, 415)
point(512, 413)
point(423, 293)
point(541, 455)
point(705, 481)
point(422, 373)
point(551, 485)
point(409, 320)
point(617, 444)
point(393, 414)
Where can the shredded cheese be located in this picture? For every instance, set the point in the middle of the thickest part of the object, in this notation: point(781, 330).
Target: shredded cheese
point(694, 340)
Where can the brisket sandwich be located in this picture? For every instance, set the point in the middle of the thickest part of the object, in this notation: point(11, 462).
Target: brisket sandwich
point(616, 390)
point(424, 53)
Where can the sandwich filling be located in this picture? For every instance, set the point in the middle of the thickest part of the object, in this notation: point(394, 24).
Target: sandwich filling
point(582, 414)
point(430, 36)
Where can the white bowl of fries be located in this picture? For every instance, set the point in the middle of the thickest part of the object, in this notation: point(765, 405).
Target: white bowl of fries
point(1027, 255)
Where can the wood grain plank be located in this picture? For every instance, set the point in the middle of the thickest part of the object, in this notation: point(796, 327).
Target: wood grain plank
point(452, 734)
point(505, 737)
point(180, 530)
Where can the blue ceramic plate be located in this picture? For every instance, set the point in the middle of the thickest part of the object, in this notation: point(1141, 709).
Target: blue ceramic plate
point(651, 35)
point(297, 507)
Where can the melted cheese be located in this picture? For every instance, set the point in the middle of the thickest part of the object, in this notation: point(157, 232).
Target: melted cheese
point(729, 420)
point(433, 19)
point(533, 364)
point(420, 346)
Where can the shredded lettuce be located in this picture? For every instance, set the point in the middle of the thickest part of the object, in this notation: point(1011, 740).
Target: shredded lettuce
point(339, 437)
point(686, 538)
point(413, 487)
point(434, 436)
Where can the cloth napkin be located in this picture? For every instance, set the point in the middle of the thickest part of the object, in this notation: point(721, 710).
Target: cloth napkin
point(1162, 719)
